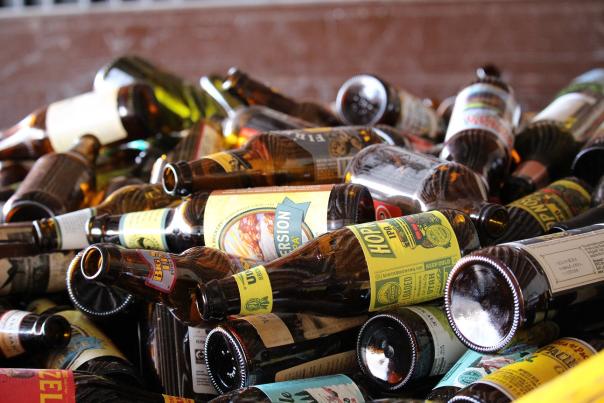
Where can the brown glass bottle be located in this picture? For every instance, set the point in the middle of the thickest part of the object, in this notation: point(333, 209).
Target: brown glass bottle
point(259, 223)
point(25, 332)
point(594, 215)
point(68, 231)
point(128, 113)
point(268, 348)
point(496, 291)
point(13, 172)
point(57, 184)
point(156, 276)
point(588, 164)
point(290, 157)
point(255, 93)
point(367, 100)
point(517, 379)
point(350, 271)
point(535, 214)
point(405, 182)
point(396, 347)
point(480, 133)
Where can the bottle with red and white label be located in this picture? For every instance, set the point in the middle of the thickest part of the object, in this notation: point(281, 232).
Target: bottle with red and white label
point(113, 116)
point(25, 332)
point(480, 132)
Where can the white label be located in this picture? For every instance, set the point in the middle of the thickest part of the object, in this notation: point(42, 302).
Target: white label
point(58, 263)
point(72, 229)
point(570, 261)
point(9, 333)
point(332, 364)
point(199, 371)
point(564, 107)
point(271, 329)
point(447, 347)
point(416, 117)
point(93, 112)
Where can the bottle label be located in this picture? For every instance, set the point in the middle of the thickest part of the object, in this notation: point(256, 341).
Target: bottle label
point(37, 385)
point(265, 223)
point(176, 399)
point(209, 142)
point(271, 329)
point(408, 258)
point(94, 113)
point(314, 327)
point(559, 201)
point(484, 107)
point(162, 270)
point(10, 321)
point(416, 117)
point(331, 364)
point(228, 161)
point(324, 389)
point(71, 228)
point(545, 364)
point(447, 347)
point(255, 291)
point(144, 229)
point(34, 274)
point(569, 261)
point(199, 370)
point(473, 366)
point(87, 342)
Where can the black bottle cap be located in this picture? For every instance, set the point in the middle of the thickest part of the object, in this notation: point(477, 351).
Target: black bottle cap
point(226, 361)
point(366, 100)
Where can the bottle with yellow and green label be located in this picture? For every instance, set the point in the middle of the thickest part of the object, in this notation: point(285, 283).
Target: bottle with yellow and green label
point(516, 380)
point(365, 267)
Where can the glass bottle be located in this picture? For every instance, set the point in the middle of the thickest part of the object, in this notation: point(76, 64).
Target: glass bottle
point(480, 133)
point(25, 332)
point(68, 231)
point(594, 215)
point(367, 100)
point(405, 182)
point(121, 115)
point(360, 268)
point(268, 348)
point(587, 164)
point(259, 223)
point(12, 172)
point(290, 157)
point(57, 183)
point(498, 290)
point(256, 93)
point(399, 346)
point(535, 214)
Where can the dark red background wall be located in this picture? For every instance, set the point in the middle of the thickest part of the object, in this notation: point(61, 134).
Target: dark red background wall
point(429, 47)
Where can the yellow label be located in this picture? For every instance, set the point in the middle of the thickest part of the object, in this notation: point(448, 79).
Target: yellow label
point(176, 399)
point(144, 229)
point(582, 384)
point(227, 161)
point(255, 291)
point(265, 223)
point(559, 201)
point(271, 329)
point(408, 258)
point(545, 364)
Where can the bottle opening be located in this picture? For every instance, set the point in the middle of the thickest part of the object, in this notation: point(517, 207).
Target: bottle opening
point(589, 164)
point(362, 100)
point(482, 303)
point(497, 222)
point(225, 361)
point(27, 212)
point(169, 180)
point(92, 263)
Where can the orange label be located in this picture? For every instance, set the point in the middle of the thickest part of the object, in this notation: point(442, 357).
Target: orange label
point(37, 386)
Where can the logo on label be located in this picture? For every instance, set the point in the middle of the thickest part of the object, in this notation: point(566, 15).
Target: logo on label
point(425, 230)
point(255, 291)
point(257, 304)
point(388, 292)
point(162, 272)
point(376, 240)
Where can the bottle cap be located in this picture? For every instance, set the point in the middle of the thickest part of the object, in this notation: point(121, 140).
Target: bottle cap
point(226, 361)
point(367, 100)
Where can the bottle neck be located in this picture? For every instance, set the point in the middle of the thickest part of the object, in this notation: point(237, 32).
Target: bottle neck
point(88, 147)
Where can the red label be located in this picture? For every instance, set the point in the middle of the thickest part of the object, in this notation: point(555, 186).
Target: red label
point(162, 271)
point(384, 211)
point(37, 386)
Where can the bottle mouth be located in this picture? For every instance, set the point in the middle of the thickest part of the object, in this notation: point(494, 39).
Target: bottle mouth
point(169, 179)
point(57, 332)
point(588, 164)
point(27, 211)
point(93, 263)
point(483, 303)
point(177, 179)
point(362, 100)
point(225, 360)
point(494, 220)
point(387, 352)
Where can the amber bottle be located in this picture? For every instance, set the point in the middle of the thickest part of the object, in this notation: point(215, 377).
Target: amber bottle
point(260, 223)
point(367, 100)
point(68, 231)
point(268, 348)
point(498, 290)
point(12, 172)
point(480, 133)
point(405, 182)
point(57, 184)
point(399, 346)
point(588, 163)
point(256, 93)
point(291, 157)
point(350, 271)
point(535, 214)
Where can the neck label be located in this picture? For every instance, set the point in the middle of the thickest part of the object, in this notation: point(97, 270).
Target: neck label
point(255, 291)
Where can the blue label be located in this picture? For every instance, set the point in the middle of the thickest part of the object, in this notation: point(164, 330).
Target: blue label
point(334, 388)
point(289, 217)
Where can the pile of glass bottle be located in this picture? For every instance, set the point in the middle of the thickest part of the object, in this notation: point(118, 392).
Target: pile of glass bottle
point(166, 241)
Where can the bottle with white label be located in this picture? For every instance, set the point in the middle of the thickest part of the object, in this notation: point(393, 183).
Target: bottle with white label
point(268, 348)
point(57, 183)
point(493, 293)
point(480, 132)
point(400, 346)
point(26, 332)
